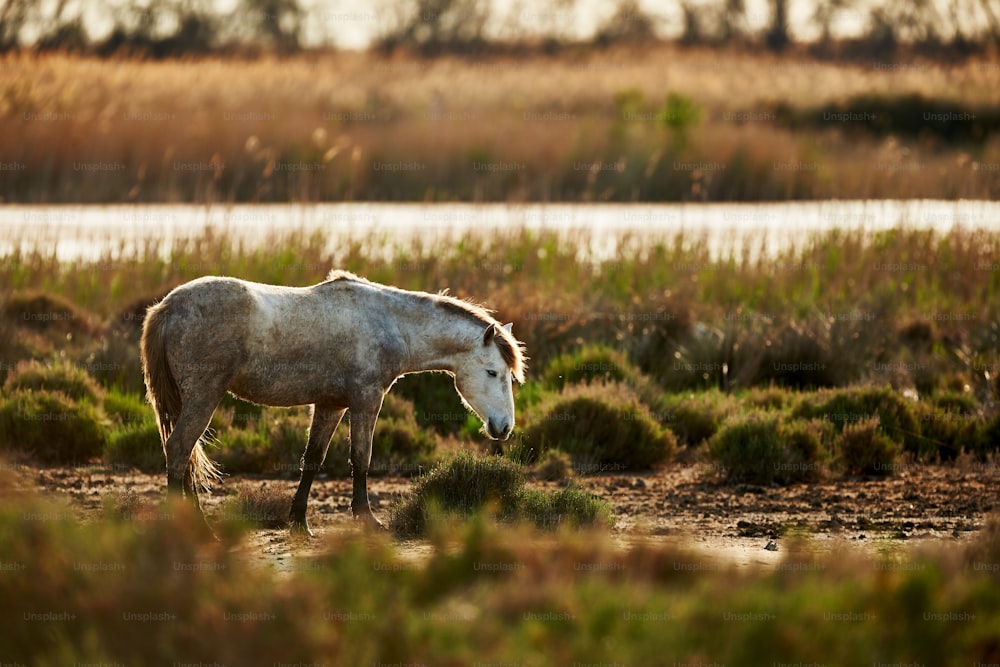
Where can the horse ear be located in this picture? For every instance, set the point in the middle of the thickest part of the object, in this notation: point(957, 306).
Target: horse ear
point(508, 326)
point(490, 334)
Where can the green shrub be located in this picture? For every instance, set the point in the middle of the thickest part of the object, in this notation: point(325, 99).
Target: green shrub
point(434, 402)
point(599, 424)
point(569, 506)
point(896, 414)
point(461, 486)
point(51, 427)
point(61, 376)
point(947, 431)
point(114, 361)
point(137, 446)
point(989, 438)
point(797, 356)
point(590, 363)
point(808, 444)
point(768, 398)
point(955, 402)
point(126, 408)
point(865, 450)
point(699, 361)
point(48, 313)
point(762, 448)
point(695, 417)
point(399, 445)
point(553, 466)
point(465, 486)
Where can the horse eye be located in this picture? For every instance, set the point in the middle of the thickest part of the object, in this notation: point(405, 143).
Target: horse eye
point(492, 374)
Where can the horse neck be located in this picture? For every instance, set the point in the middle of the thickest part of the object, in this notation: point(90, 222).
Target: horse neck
point(434, 337)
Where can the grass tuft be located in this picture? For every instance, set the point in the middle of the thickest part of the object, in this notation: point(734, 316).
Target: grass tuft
point(553, 466)
point(259, 505)
point(467, 486)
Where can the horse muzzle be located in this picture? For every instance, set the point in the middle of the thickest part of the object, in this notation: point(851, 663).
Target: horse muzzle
point(497, 431)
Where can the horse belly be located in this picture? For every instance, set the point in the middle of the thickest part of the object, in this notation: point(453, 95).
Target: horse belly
point(287, 381)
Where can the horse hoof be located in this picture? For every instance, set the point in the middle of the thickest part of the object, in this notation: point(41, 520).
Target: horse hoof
point(368, 520)
point(300, 528)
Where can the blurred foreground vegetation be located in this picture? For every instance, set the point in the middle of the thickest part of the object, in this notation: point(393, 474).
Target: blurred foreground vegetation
point(147, 589)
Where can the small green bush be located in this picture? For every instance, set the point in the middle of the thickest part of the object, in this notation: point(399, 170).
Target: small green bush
point(948, 431)
point(761, 448)
point(125, 408)
point(695, 417)
point(114, 360)
point(51, 427)
point(600, 424)
point(590, 363)
point(433, 402)
point(462, 486)
point(61, 376)
point(553, 466)
point(955, 402)
point(897, 419)
point(989, 438)
point(769, 398)
point(466, 485)
point(47, 312)
point(865, 450)
point(569, 506)
point(137, 446)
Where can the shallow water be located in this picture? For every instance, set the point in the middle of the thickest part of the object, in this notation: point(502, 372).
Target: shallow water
point(86, 232)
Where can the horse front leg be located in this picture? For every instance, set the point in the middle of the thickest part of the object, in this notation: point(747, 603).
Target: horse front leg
point(362, 429)
point(325, 420)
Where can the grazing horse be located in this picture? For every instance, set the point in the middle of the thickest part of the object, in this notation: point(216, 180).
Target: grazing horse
point(338, 345)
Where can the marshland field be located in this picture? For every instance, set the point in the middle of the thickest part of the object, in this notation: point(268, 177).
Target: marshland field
point(751, 433)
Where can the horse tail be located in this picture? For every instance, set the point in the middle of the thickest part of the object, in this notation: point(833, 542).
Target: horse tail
point(164, 395)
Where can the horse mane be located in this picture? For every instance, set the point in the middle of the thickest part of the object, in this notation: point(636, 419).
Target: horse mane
point(511, 349)
point(340, 274)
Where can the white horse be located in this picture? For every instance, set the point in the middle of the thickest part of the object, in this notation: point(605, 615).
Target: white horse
point(337, 345)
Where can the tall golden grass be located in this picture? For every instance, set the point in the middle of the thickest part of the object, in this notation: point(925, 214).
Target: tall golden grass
point(357, 126)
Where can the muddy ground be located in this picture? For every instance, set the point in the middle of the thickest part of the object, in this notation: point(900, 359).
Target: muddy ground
point(681, 504)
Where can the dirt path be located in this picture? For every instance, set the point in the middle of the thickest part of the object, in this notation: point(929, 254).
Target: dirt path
point(682, 505)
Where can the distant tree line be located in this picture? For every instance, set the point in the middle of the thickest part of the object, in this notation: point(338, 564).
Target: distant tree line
point(159, 29)
point(175, 27)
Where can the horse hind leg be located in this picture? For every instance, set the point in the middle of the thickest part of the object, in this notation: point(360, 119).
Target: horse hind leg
point(324, 423)
point(194, 418)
